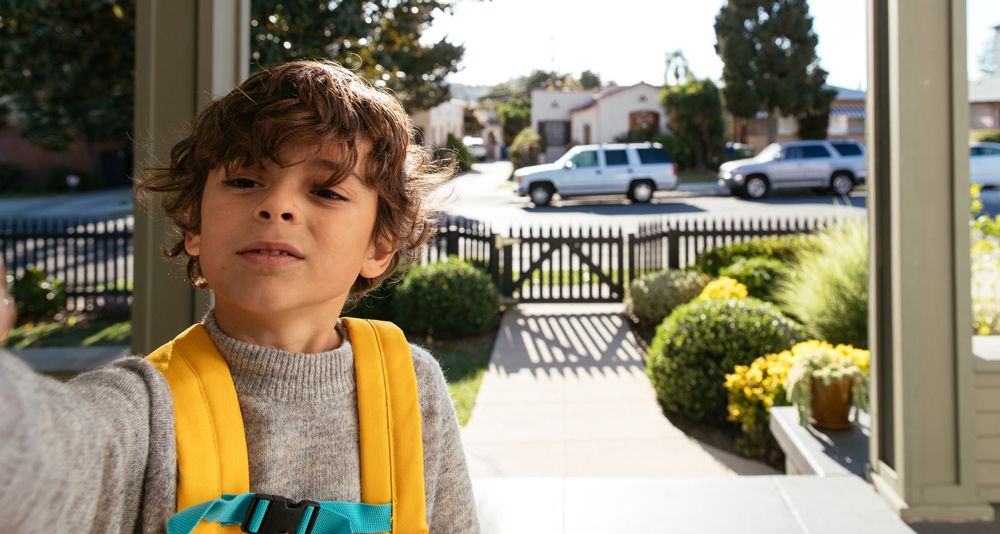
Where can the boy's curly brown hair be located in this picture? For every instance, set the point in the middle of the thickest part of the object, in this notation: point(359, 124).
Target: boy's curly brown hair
point(307, 102)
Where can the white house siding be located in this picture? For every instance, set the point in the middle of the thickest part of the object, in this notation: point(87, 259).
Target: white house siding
point(437, 122)
point(555, 106)
point(581, 120)
point(987, 369)
point(613, 111)
point(984, 116)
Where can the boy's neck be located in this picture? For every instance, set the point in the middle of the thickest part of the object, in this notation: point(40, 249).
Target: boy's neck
point(307, 331)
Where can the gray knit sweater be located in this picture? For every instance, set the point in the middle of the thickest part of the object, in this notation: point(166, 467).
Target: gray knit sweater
point(97, 454)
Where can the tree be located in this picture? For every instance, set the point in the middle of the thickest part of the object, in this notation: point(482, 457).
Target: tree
point(590, 80)
point(768, 51)
point(694, 109)
point(66, 68)
point(988, 59)
point(514, 115)
point(379, 40)
point(470, 123)
point(677, 63)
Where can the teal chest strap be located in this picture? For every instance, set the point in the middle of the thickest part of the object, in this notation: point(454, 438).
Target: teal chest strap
point(265, 514)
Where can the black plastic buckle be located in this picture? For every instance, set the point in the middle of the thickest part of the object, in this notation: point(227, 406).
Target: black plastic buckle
point(282, 516)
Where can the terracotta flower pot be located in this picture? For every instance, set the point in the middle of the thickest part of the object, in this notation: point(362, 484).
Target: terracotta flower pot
point(831, 404)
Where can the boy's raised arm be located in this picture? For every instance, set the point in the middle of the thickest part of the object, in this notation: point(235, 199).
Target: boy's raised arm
point(93, 454)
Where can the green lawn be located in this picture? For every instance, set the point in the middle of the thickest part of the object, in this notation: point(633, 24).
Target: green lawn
point(70, 332)
point(464, 362)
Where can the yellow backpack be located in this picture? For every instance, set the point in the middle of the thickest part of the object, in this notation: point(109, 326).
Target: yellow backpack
point(213, 485)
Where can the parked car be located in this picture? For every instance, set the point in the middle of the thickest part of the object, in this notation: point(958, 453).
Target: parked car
point(836, 166)
point(984, 163)
point(635, 170)
point(477, 149)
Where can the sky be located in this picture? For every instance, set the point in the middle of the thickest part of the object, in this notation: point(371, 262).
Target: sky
point(626, 41)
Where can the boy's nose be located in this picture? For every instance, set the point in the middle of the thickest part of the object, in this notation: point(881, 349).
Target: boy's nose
point(266, 215)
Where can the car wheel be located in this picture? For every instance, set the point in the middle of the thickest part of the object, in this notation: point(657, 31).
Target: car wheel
point(641, 192)
point(755, 187)
point(540, 194)
point(841, 184)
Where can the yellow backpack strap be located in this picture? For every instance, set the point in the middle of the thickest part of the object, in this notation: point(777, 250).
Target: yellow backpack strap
point(389, 420)
point(211, 444)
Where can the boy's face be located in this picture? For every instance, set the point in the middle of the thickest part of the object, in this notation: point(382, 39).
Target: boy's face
point(272, 240)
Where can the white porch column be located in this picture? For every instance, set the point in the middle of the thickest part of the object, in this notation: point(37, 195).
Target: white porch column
point(922, 452)
point(187, 53)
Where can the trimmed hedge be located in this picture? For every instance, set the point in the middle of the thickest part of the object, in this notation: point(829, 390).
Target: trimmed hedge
point(784, 248)
point(651, 298)
point(702, 341)
point(446, 300)
point(760, 274)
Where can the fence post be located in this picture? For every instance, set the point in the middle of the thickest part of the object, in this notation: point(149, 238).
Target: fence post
point(673, 247)
point(631, 244)
point(494, 264)
point(451, 239)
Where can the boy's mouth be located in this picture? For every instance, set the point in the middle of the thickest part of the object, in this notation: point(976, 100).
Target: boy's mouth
point(271, 249)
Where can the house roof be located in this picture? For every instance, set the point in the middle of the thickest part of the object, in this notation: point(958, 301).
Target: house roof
point(844, 93)
point(985, 90)
point(606, 92)
point(849, 111)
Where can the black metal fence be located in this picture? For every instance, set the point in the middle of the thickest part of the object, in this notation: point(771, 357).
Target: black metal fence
point(93, 258)
point(528, 264)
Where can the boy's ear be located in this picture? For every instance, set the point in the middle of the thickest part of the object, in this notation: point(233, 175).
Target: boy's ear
point(192, 243)
point(377, 259)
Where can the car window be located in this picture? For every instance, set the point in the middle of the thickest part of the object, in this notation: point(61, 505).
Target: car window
point(793, 152)
point(615, 157)
point(989, 151)
point(653, 155)
point(586, 158)
point(847, 149)
point(815, 151)
point(975, 151)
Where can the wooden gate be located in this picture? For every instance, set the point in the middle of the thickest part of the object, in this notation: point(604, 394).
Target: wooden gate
point(554, 264)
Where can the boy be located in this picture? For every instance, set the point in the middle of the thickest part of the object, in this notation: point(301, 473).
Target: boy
point(295, 195)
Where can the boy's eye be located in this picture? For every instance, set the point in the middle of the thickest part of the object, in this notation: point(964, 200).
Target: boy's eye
point(328, 194)
point(242, 183)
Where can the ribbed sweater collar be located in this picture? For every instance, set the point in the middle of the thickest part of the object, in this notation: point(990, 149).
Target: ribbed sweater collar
point(268, 372)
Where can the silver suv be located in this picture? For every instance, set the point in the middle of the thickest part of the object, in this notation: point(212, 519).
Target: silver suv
point(834, 166)
point(635, 170)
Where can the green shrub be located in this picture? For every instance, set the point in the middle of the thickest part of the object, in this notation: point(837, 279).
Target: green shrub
point(11, 178)
point(446, 300)
point(375, 305)
point(651, 298)
point(38, 296)
point(703, 340)
point(784, 248)
point(760, 274)
point(55, 180)
point(829, 289)
point(455, 151)
point(525, 149)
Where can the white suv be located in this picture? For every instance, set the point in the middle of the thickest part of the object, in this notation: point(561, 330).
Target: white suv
point(835, 166)
point(634, 169)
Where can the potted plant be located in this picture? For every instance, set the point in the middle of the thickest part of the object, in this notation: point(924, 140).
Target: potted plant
point(825, 381)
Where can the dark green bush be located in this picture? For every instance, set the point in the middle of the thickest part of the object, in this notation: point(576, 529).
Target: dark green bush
point(455, 151)
point(651, 298)
point(784, 248)
point(703, 340)
point(760, 274)
point(446, 300)
point(55, 180)
point(525, 149)
point(375, 305)
point(38, 296)
point(11, 178)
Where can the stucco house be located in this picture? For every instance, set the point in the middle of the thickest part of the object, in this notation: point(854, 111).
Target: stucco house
point(847, 121)
point(436, 123)
point(984, 96)
point(566, 118)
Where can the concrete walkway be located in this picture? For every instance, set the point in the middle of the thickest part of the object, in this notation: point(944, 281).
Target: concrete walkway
point(567, 437)
point(566, 395)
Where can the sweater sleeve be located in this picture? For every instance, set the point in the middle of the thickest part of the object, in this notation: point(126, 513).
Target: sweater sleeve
point(451, 506)
point(94, 454)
